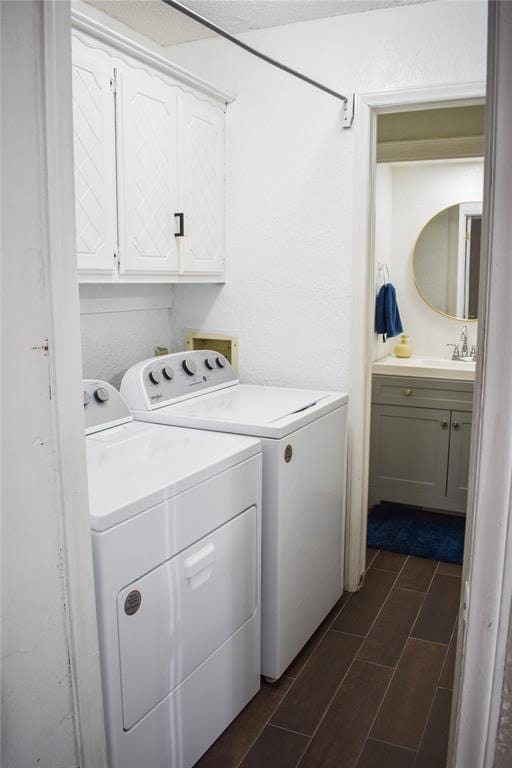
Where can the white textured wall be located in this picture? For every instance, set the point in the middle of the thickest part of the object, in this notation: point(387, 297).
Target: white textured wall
point(419, 191)
point(121, 325)
point(291, 177)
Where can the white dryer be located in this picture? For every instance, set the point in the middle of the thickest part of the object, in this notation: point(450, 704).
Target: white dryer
point(175, 518)
point(303, 434)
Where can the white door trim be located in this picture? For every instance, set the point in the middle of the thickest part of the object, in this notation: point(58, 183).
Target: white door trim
point(469, 709)
point(367, 107)
point(488, 555)
point(65, 377)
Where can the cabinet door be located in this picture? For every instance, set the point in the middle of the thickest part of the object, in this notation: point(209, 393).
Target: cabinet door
point(409, 453)
point(95, 170)
point(147, 174)
point(460, 447)
point(202, 187)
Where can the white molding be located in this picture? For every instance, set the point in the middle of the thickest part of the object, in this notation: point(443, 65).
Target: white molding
point(489, 549)
point(464, 94)
point(367, 107)
point(65, 374)
point(360, 378)
point(126, 45)
point(430, 149)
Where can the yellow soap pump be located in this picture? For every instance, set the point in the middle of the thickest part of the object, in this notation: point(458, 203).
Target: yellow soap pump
point(403, 348)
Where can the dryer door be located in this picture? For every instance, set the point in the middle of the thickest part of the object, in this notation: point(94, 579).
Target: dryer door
point(174, 617)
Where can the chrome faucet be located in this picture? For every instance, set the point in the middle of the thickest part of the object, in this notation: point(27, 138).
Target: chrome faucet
point(456, 351)
point(464, 351)
point(461, 350)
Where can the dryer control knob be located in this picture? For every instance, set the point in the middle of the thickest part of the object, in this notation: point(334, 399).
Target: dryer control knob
point(189, 367)
point(210, 363)
point(168, 372)
point(87, 398)
point(101, 395)
point(221, 362)
point(154, 377)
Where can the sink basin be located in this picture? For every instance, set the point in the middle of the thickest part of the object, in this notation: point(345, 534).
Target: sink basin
point(427, 367)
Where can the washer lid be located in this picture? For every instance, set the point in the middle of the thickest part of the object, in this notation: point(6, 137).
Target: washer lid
point(249, 410)
point(134, 466)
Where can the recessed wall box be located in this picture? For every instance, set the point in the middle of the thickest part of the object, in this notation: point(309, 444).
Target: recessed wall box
point(218, 342)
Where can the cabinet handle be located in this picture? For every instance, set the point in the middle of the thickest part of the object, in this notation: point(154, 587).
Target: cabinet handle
point(181, 219)
point(407, 392)
point(456, 425)
point(444, 424)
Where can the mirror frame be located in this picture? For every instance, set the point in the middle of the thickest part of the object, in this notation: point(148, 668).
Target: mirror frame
point(413, 274)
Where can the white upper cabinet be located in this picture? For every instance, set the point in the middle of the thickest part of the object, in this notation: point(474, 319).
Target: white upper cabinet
point(147, 174)
point(202, 186)
point(149, 169)
point(95, 168)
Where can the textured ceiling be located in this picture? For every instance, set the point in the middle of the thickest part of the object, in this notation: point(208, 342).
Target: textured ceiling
point(166, 26)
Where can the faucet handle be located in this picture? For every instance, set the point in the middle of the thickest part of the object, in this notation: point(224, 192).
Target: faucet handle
point(472, 354)
point(456, 351)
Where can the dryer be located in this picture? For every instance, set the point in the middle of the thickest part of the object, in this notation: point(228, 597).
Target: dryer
point(303, 436)
point(175, 518)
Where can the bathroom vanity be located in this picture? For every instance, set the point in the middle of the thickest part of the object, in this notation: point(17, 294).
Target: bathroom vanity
point(421, 432)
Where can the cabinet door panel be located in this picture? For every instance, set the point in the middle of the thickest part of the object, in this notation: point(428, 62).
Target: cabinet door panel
point(147, 174)
point(94, 151)
point(460, 447)
point(409, 451)
point(202, 187)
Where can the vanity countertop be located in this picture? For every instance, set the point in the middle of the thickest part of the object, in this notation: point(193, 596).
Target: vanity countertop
point(425, 367)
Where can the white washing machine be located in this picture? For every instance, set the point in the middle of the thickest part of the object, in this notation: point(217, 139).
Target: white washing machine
point(303, 434)
point(175, 518)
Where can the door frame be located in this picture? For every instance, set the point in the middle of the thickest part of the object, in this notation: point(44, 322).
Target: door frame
point(487, 573)
point(368, 106)
point(65, 367)
point(469, 739)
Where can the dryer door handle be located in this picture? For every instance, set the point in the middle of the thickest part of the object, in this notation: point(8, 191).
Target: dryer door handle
point(199, 561)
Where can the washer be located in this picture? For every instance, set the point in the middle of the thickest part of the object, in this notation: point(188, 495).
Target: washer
point(175, 518)
point(303, 434)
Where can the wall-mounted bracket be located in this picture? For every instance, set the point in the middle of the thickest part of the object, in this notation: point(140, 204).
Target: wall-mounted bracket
point(349, 107)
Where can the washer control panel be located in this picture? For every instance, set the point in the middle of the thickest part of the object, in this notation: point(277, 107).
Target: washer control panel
point(103, 406)
point(178, 376)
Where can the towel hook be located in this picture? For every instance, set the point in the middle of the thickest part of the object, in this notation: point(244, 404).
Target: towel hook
point(382, 267)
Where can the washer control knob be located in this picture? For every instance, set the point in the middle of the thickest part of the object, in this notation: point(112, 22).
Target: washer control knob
point(168, 372)
point(210, 363)
point(221, 362)
point(87, 398)
point(101, 395)
point(154, 377)
point(189, 367)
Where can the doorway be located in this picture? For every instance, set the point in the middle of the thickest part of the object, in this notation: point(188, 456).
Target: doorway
point(364, 340)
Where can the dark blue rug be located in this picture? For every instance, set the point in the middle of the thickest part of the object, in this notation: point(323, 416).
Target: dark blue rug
point(411, 531)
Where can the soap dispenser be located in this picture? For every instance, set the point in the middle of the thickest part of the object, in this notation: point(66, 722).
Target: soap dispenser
point(403, 348)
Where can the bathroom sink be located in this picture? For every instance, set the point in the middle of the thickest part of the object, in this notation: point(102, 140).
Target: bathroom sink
point(428, 367)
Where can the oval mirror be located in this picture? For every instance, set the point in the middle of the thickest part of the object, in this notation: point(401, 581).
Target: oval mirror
point(446, 260)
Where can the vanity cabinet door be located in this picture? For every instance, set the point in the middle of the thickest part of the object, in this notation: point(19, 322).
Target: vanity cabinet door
point(147, 174)
point(94, 156)
point(409, 454)
point(202, 187)
point(460, 447)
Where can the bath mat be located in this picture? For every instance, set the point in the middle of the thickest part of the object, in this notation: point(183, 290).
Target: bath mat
point(412, 531)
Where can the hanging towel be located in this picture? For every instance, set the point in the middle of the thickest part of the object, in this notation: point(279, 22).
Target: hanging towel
point(387, 316)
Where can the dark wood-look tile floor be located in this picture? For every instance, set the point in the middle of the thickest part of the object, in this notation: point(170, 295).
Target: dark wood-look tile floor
point(371, 689)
